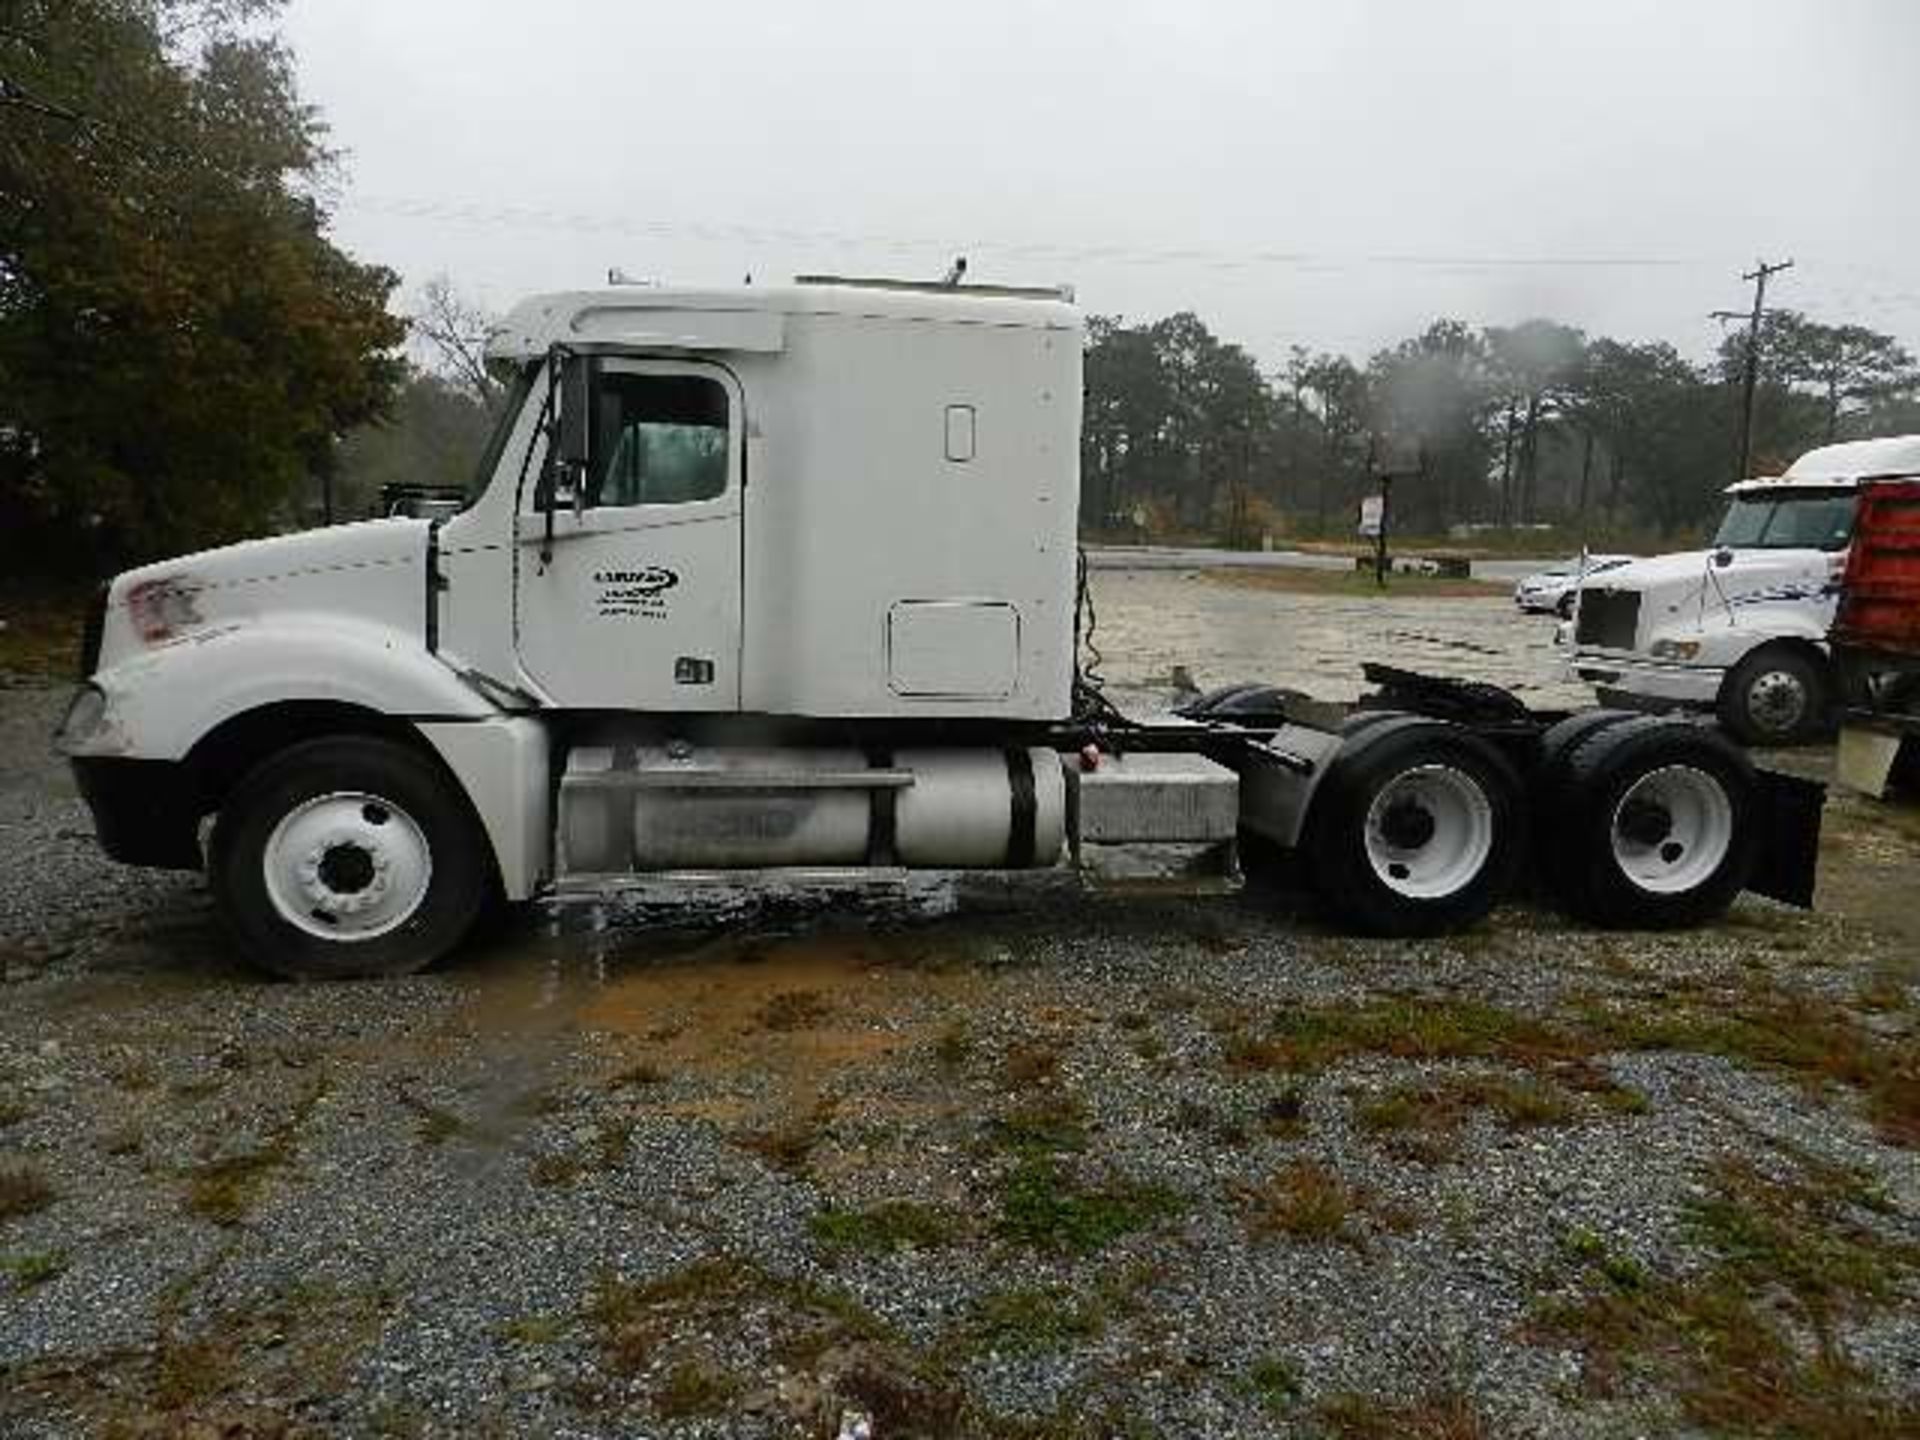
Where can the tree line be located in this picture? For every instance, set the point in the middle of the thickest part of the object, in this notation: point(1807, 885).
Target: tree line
point(1530, 424)
point(187, 358)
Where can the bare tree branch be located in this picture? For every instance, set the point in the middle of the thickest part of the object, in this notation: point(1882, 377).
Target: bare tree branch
point(455, 331)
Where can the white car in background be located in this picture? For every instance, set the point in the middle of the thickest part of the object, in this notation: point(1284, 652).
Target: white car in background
point(1551, 591)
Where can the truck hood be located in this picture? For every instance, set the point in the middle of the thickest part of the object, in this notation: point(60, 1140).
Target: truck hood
point(336, 547)
point(1688, 590)
point(1676, 577)
point(372, 570)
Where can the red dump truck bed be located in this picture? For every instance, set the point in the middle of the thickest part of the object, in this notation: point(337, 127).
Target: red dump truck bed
point(1880, 598)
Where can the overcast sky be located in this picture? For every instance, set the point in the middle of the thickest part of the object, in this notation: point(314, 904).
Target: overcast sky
point(1332, 175)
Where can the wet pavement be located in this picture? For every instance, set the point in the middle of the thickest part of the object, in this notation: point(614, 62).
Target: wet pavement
point(1152, 620)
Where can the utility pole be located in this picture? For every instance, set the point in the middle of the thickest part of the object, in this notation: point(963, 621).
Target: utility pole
point(1758, 275)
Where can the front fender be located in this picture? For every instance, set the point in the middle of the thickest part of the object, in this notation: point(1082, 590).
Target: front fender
point(160, 701)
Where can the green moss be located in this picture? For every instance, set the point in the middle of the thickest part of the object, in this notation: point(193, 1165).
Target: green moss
point(1042, 1205)
point(894, 1225)
point(1049, 1124)
point(1031, 1319)
point(1274, 1383)
point(1793, 1256)
point(36, 1268)
point(696, 1387)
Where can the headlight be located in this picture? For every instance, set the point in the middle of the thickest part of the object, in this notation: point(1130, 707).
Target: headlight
point(85, 713)
point(1675, 649)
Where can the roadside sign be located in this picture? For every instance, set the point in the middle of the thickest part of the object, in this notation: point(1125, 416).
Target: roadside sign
point(1371, 510)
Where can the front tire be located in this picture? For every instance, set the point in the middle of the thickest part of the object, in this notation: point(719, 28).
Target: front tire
point(346, 857)
point(1776, 696)
point(1418, 829)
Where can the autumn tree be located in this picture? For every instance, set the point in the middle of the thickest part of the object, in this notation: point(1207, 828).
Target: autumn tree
point(181, 345)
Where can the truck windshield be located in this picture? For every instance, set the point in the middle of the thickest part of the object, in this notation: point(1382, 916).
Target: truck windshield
point(1816, 520)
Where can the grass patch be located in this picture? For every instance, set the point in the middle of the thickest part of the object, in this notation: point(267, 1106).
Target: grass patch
point(1422, 1122)
point(611, 1141)
point(1051, 1124)
point(1622, 1272)
point(24, 1190)
point(555, 1169)
point(1042, 1205)
point(41, 630)
point(1031, 1062)
point(640, 1324)
point(434, 1124)
point(534, 1330)
point(641, 1075)
point(1273, 1382)
point(794, 1010)
point(36, 1268)
point(696, 1387)
point(1311, 1039)
point(1762, 1024)
point(1440, 1415)
point(788, 1145)
point(1308, 1202)
point(1815, 1040)
point(226, 1190)
point(880, 1229)
point(955, 1045)
point(1747, 1344)
point(1031, 1320)
point(1284, 1116)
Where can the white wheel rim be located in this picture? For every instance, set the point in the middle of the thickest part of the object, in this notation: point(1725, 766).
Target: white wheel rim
point(347, 866)
point(1429, 832)
point(1672, 829)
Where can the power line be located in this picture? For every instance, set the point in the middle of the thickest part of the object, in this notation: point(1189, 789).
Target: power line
point(473, 213)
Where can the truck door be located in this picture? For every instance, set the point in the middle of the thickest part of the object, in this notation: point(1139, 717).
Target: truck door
point(636, 605)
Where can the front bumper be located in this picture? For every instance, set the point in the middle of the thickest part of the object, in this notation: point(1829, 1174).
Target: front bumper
point(145, 812)
point(1665, 684)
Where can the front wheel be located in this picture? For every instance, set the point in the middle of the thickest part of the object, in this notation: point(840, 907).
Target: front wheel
point(1418, 829)
point(1776, 696)
point(348, 857)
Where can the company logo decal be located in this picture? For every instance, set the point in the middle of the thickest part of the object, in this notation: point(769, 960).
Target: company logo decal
point(639, 593)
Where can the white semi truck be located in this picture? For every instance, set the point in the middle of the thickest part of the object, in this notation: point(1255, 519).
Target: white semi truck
point(1740, 628)
point(784, 580)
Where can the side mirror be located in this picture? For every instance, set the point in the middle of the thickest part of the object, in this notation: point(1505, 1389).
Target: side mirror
point(1722, 558)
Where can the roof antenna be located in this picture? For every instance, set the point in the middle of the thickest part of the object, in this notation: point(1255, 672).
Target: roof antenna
point(957, 273)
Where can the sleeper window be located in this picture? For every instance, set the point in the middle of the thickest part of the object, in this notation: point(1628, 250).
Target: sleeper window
point(660, 440)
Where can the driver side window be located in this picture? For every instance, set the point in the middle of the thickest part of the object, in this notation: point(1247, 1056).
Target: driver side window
point(660, 440)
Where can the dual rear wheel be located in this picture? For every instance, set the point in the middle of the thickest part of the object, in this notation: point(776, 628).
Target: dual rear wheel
point(1422, 827)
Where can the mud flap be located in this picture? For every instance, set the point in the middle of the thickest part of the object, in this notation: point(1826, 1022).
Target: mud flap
point(1786, 859)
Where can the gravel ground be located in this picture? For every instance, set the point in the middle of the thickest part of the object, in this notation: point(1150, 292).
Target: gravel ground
point(1118, 1167)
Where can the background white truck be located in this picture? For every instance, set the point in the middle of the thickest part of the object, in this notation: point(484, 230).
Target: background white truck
point(1740, 628)
point(785, 580)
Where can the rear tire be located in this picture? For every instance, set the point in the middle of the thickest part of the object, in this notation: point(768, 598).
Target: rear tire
point(1418, 829)
point(1653, 825)
point(346, 857)
point(1779, 695)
